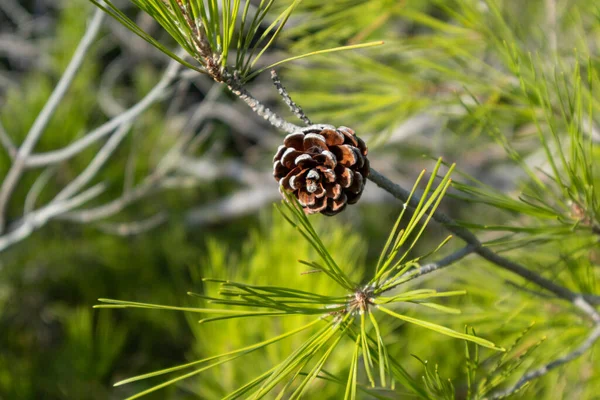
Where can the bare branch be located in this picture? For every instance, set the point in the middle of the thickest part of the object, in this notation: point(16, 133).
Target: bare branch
point(38, 218)
point(114, 206)
point(36, 189)
point(157, 92)
point(17, 48)
point(135, 227)
point(15, 11)
point(207, 169)
point(240, 203)
point(238, 121)
point(34, 134)
point(107, 102)
point(94, 166)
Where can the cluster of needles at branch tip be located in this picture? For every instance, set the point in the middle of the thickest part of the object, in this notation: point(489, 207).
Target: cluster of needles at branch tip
point(358, 303)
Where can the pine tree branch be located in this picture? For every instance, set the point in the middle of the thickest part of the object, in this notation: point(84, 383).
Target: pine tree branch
point(582, 302)
point(402, 194)
point(432, 267)
point(485, 252)
point(444, 262)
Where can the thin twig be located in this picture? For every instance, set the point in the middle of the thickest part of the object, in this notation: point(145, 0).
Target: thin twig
point(240, 122)
point(135, 227)
point(15, 11)
point(7, 142)
point(14, 174)
point(130, 165)
point(295, 108)
point(106, 100)
point(94, 166)
point(64, 204)
point(113, 206)
point(147, 186)
point(236, 205)
point(36, 189)
point(435, 266)
point(458, 255)
point(153, 182)
point(260, 109)
point(39, 217)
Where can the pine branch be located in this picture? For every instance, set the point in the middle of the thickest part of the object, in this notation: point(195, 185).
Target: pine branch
point(402, 194)
point(466, 235)
point(582, 302)
point(437, 265)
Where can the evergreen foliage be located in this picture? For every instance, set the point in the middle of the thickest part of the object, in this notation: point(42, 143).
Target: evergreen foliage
point(285, 305)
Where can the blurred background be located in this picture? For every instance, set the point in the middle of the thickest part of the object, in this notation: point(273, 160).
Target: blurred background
point(141, 208)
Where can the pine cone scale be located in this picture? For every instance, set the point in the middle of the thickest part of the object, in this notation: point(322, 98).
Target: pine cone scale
point(332, 138)
point(314, 143)
point(294, 141)
point(327, 173)
point(345, 176)
point(326, 158)
point(279, 169)
point(289, 157)
point(280, 150)
point(333, 191)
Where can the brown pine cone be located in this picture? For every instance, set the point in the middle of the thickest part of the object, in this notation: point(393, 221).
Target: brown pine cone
point(326, 168)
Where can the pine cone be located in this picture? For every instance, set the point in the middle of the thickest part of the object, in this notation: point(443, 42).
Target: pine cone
point(326, 168)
